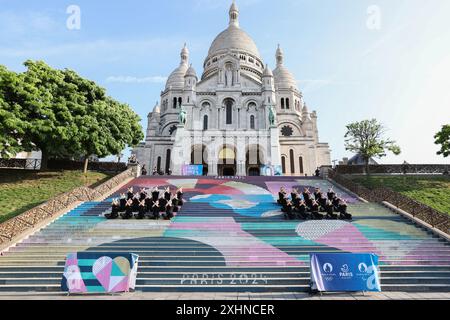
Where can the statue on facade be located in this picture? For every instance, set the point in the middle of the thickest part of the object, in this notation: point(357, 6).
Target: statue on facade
point(272, 116)
point(183, 116)
point(228, 76)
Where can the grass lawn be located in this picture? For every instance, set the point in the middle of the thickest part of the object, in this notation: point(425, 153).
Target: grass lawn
point(433, 191)
point(22, 190)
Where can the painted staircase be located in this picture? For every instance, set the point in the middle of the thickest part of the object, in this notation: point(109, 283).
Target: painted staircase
point(230, 237)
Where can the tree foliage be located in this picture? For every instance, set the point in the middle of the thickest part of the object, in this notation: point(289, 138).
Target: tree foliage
point(13, 125)
point(443, 139)
point(63, 115)
point(366, 138)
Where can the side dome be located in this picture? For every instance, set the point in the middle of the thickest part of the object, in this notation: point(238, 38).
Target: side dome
point(283, 78)
point(176, 78)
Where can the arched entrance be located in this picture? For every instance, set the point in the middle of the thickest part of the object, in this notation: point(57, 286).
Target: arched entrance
point(227, 162)
point(199, 156)
point(254, 160)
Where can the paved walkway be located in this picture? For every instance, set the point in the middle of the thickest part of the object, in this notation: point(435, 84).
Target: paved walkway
point(236, 296)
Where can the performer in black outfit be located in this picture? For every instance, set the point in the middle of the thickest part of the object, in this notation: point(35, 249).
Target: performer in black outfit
point(296, 200)
point(289, 212)
point(330, 211)
point(167, 194)
point(162, 205)
point(114, 211)
point(142, 210)
point(335, 203)
point(136, 202)
point(323, 204)
point(128, 210)
point(343, 214)
point(142, 195)
point(331, 194)
point(123, 202)
point(317, 194)
point(281, 196)
point(302, 210)
point(148, 204)
point(180, 194)
point(315, 211)
point(155, 194)
point(155, 210)
point(130, 193)
point(169, 210)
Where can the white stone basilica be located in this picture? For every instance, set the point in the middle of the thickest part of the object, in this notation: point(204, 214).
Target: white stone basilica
point(239, 117)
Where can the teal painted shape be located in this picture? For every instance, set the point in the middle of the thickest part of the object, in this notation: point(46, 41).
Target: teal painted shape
point(298, 241)
point(88, 276)
point(115, 271)
point(86, 262)
point(378, 234)
point(270, 226)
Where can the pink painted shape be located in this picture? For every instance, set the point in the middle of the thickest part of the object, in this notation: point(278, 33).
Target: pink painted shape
point(121, 286)
point(104, 275)
point(343, 237)
point(223, 190)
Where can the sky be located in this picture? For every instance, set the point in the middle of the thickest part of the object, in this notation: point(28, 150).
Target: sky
point(353, 59)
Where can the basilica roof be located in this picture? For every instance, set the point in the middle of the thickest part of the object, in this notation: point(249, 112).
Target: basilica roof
point(234, 38)
point(237, 42)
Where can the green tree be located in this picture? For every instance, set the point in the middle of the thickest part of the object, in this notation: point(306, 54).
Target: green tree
point(366, 138)
point(13, 124)
point(443, 139)
point(47, 103)
point(104, 126)
point(63, 115)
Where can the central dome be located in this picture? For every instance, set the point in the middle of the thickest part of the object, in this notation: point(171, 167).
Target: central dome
point(234, 38)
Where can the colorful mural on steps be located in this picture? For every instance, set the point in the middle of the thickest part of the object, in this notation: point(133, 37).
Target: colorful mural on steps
point(240, 220)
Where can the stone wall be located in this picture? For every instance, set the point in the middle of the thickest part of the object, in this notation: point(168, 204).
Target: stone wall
point(395, 169)
point(20, 224)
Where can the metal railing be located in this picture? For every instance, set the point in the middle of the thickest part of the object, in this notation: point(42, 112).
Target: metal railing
point(26, 164)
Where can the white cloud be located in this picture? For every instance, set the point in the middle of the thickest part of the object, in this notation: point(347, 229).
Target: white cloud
point(13, 24)
point(131, 79)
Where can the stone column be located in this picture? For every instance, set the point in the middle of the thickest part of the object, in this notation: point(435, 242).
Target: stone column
point(178, 156)
point(240, 156)
point(275, 154)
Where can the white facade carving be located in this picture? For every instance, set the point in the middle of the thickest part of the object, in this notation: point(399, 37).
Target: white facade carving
point(227, 126)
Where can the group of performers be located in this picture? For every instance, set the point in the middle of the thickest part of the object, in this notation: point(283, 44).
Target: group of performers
point(310, 205)
point(154, 204)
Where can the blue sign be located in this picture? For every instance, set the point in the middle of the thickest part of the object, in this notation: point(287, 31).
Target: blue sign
point(270, 171)
point(345, 272)
point(192, 170)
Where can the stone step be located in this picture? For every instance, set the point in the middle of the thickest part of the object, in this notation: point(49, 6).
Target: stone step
point(263, 262)
point(203, 254)
point(236, 273)
point(268, 256)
